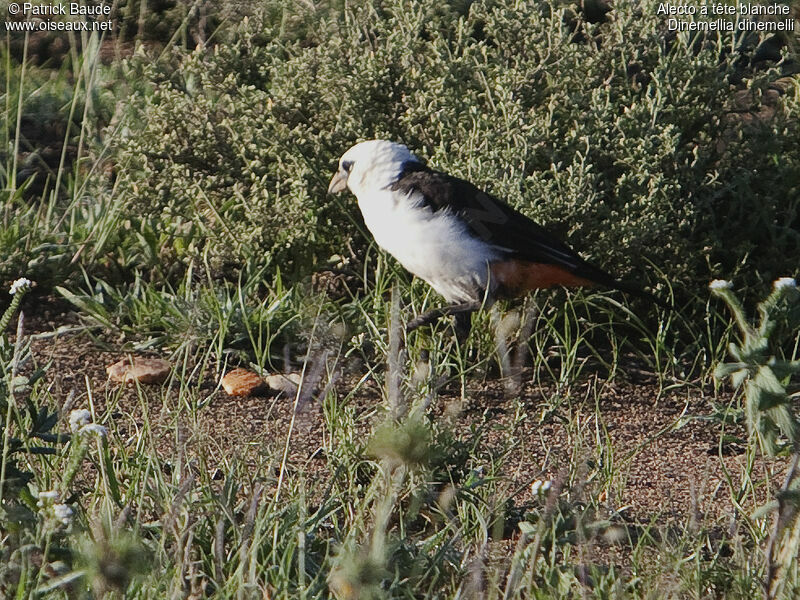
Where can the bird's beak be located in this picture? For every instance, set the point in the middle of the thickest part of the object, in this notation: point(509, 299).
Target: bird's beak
point(339, 182)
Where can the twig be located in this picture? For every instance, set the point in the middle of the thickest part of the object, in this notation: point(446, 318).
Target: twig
point(395, 360)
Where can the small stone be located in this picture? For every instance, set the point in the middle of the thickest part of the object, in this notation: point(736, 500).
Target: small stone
point(241, 382)
point(141, 369)
point(284, 382)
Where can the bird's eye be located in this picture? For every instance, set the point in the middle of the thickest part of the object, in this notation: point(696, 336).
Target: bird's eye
point(347, 165)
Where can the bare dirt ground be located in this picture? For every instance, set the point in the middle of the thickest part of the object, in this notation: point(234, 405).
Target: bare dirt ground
point(665, 473)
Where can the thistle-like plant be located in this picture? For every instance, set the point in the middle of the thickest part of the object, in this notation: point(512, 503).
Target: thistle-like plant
point(12, 478)
point(30, 424)
point(768, 398)
point(756, 365)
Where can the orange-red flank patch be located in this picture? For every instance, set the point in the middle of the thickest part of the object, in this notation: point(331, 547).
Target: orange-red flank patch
point(518, 276)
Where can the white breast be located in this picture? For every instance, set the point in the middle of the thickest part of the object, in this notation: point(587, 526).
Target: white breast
point(435, 246)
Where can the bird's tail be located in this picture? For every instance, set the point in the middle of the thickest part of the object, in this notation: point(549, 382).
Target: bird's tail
point(515, 277)
point(598, 276)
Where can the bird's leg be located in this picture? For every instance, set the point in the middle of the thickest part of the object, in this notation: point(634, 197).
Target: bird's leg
point(463, 325)
point(462, 313)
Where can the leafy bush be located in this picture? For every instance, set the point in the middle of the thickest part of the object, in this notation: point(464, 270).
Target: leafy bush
point(630, 140)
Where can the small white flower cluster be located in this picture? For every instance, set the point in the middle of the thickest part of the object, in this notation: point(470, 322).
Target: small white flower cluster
point(49, 505)
point(63, 513)
point(778, 284)
point(21, 284)
point(720, 284)
point(93, 429)
point(79, 418)
point(784, 282)
point(46, 497)
point(80, 422)
point(540, 488)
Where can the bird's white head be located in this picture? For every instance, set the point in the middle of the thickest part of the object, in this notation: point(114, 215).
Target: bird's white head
point(370, 165)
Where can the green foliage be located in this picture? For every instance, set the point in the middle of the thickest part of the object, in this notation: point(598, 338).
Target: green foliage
point(29, 426)
point(769, 408)
point(765, 376)
point(51, 220)
point(110, 558)
point(630, 139)
point(197, 315)
point(430, 518)
point(402, 444)
point(205, 195)
point(26, 436)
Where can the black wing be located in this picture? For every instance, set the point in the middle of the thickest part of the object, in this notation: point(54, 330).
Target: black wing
point(497, 223)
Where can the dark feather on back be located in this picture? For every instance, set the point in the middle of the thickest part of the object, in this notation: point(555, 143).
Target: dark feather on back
point(500, 225)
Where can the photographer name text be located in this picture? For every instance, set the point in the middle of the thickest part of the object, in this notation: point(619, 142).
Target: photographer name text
point(73, 9)
point(33, 16)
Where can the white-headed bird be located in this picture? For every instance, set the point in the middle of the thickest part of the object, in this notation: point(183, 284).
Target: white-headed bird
point(469, 246)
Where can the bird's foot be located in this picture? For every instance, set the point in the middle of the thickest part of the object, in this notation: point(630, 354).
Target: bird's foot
point(461, 312)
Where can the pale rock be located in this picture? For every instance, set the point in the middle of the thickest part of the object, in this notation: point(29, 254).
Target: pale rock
point(285, 382)
point(141, 369)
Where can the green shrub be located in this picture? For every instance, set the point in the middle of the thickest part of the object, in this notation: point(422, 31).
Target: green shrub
point(625, 141)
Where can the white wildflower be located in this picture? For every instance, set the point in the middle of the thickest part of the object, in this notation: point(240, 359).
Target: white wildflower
point(63, 513)
point(52, 509)
point(720, 284)
point(78, 419)
point(46, 497)
point(93, 429)
point(784, 282)
point(539, 487)
point(20, 284)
